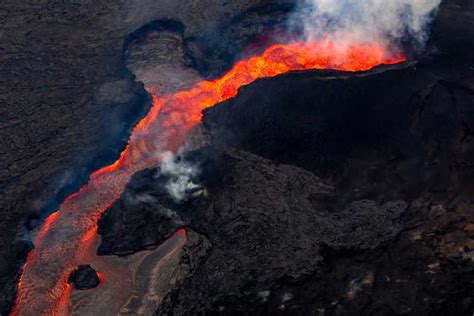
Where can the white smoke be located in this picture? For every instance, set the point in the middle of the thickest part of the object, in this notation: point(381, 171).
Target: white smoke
point(139, 198)
point(386, 22)
point(180, 174)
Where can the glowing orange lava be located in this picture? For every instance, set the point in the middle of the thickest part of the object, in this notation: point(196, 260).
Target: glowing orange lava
point(60, 244)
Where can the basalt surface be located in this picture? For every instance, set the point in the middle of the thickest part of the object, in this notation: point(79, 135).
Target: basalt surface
point(376, 219)
point(362, 203)
point(398, 134)
point(84, 278)
point(329, 193)
point(263, 219)
point(68, 99)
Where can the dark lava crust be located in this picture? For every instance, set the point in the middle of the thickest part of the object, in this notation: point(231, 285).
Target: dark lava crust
point(84, 278)
point(326, 193)
point(68, 101)
point(362, 205)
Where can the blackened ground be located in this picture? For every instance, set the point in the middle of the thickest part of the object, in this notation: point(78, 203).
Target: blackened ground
point(287, 241)
point(68, 101)
point(84, 278)
point(264, 221)
point(144, 216)
point(363, 204)
point(214, 51)
point(62, 68)
point(375, 135)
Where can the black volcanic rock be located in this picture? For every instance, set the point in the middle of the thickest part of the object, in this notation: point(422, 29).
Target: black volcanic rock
point(67, 99)
point(320, 223)
point(216, 49)
point(453, 30)
point(265, 222)
point(84, 278)
point(22, 244)
point(375, 135)
point(284, 241)
point(404, 134)
point(144, 216)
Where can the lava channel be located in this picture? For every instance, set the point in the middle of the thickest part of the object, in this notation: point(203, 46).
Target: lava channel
point(62, 240)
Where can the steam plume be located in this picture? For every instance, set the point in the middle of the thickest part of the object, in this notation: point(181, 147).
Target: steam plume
point(387, 22)
point(180, 173)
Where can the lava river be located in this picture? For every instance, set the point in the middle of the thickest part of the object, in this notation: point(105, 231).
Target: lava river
point(66, 234)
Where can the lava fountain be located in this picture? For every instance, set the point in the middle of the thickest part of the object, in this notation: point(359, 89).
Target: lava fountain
point(64, 236)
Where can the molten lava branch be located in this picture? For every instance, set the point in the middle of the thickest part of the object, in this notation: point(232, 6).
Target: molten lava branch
point(67, 234)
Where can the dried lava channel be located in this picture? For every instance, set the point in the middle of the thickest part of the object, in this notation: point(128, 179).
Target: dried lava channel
point(64, 237)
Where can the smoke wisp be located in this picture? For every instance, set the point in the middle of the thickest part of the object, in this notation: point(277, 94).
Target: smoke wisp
point(180, 174)
point(392, 23)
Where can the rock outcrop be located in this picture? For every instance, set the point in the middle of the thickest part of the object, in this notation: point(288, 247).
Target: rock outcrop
point(265, 222)
point(84, 278)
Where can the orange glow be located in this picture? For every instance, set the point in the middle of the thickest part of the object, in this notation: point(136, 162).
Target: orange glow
point(45, 228)
point(62, 304)
point(101, 277)
point(179, 232)
point(65, 235)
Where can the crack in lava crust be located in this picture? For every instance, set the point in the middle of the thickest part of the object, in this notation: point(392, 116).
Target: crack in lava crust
point(62, 240)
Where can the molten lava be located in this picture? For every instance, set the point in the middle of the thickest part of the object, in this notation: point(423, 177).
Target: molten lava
point(62, 240)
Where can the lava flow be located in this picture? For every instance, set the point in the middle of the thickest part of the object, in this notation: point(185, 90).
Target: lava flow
point(62, 240)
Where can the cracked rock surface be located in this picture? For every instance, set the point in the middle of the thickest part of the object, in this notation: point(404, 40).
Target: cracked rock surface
point(67, 100)
point(262, 220)
point(337, 194)
point(333, 194)
point(84, 277)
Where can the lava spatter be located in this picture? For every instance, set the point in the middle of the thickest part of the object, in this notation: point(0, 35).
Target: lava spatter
point(67, 234)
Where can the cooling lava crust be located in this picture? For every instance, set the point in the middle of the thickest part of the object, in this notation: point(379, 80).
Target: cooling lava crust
point(322, 191)
point(373, 215)
point(337, 193)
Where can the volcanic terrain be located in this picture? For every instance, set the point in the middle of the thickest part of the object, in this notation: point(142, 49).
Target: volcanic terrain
point(314, 184)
